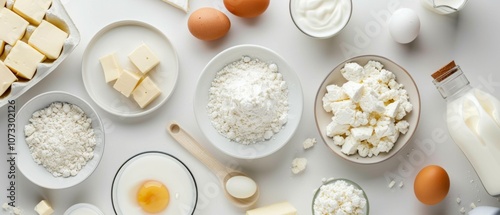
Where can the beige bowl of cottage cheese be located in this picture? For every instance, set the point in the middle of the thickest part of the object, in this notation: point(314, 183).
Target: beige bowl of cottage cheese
point(60, 140)
point(367, 109)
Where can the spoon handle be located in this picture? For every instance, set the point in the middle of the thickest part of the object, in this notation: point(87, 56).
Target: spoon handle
point(190, 144)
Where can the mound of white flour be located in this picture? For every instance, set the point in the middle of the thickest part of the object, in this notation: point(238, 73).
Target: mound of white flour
point(248, 101)
point(61, 139)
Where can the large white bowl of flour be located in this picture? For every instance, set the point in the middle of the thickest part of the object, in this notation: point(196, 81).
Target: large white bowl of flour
point(249, 106)
point(60, 149)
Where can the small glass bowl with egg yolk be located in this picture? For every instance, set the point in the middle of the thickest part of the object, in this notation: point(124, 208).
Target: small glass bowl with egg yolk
point(154, 183)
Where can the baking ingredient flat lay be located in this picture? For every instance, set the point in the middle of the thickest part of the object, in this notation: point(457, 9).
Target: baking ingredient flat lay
point(321, 19)
point(339, 197)
point(404, 25)
point(280, 208)
point(246, 8)
point(138, 84)
point(248, 101)
point(473, 119)
point(208, 24)
point(181, 4)
point(368, 110)
point(432, 184)
point(61, 139)
point(153, 182)
point(27, 39)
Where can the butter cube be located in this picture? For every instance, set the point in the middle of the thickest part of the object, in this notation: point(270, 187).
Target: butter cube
point(48, 39)
point(32, 10)
point(2, 44)
point(23, 60)
point(143, 58)
point(282, 208)
point(126, 83)
point(112, 70)
point(12, 26)
point(43, 208)
point(6, 78)
point(146, 92)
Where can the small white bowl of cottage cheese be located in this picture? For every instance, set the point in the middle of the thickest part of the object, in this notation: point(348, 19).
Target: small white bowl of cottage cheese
point(340, 196)
point(60, 140)
point(367, 109)
point(248, 101)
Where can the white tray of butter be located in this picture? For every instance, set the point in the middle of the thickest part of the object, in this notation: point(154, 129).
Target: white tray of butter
point(57, 15)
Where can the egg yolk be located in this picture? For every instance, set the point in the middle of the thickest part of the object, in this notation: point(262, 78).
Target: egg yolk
point(153, 197)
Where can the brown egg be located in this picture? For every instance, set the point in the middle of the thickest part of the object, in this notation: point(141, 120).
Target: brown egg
point(246, 8)
point(431, 185)
point(208, 24)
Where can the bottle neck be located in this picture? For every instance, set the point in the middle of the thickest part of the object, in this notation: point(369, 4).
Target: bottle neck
point(453, 86)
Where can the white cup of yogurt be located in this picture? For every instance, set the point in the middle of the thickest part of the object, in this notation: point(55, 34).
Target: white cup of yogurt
point(320, 18)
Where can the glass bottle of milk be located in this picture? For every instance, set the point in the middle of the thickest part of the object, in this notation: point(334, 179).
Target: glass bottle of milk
point(473, 119)
point(444, 6)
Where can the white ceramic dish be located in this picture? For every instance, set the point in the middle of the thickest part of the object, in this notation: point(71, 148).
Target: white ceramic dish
point(37, 173)
point(325, 32)
point(335, 77)
point(123, 37)
point(171, 170)
point(83, 208)
point(295, 100)
point(57, 15)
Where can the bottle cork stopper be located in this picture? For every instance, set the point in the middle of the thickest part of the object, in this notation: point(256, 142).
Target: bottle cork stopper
point(444, 72)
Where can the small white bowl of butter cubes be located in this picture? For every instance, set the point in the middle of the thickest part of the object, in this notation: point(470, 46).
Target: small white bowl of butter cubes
point(130, 68)
point(367, 109)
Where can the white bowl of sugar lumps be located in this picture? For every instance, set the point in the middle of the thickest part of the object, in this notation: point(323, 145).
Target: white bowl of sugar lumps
point(60, 140)
point(248, 101)
point(367, 109)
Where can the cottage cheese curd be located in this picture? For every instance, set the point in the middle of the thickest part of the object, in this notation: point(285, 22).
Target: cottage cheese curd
point(368, 110)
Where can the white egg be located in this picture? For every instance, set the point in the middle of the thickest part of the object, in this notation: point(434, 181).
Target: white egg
point(404, 25)
point(241, 187)
point(154, 166)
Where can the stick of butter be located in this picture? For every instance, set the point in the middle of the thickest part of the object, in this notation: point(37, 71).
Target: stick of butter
point(282, 208)
point(43, 208)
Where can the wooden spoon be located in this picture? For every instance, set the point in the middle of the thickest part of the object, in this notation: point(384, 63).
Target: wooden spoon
point(222, 172)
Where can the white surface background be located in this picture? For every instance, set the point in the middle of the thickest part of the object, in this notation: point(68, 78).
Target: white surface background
point(470, 38)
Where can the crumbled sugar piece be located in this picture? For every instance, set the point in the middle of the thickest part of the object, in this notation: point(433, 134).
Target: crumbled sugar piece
point(462, 210)
point(11, 210)
point(309, 142)
point(391, 184)
point(459, 200)
point(472, 205)
point(299, 165)
point(177, 195)
point(401, 184)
